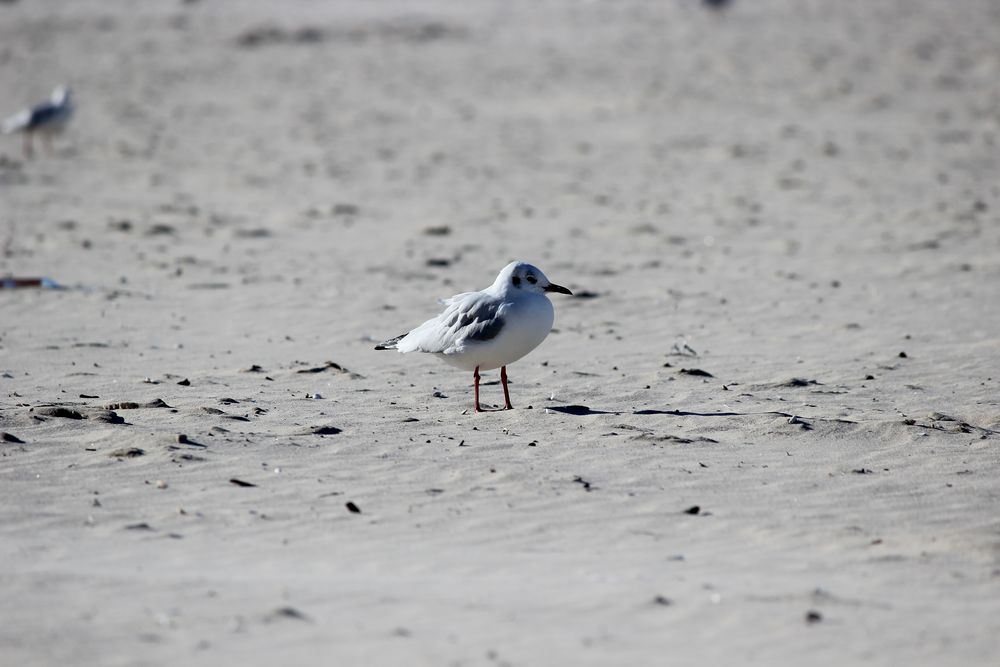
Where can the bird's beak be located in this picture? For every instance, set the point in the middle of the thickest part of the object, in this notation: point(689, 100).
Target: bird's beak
point(552, 287)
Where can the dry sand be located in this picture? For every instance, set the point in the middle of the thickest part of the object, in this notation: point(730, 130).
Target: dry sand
point(804, 194)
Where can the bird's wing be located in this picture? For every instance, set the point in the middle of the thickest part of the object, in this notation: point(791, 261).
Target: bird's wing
point(44, 113)
point(468, 318)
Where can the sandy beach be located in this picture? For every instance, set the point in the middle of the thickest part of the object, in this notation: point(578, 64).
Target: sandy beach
point(765, 430)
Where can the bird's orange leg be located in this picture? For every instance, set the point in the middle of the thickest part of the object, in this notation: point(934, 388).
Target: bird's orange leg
point(475, 374)
point(506, 393)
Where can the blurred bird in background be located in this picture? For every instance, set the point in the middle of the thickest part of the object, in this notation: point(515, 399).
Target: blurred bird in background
point(48, 119)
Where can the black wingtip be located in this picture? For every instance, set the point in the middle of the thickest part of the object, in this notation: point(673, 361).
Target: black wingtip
point(390, 344)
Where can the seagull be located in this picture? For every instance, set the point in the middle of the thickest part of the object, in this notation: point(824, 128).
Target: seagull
point(49, 118)
point(480, 331)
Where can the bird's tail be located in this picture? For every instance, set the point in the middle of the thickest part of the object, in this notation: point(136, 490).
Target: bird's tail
point(18, 121)
point(391, 343)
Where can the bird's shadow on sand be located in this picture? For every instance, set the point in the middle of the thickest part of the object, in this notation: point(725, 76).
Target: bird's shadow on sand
point(579, 410)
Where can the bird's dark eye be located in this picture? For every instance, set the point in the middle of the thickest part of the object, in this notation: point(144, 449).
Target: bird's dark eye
point(532, 279)
point(516, 281)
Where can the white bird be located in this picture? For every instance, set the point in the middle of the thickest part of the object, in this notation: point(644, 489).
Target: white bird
point(480, 331)
point(48, 118)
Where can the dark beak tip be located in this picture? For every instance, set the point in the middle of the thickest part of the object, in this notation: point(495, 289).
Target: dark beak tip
point(552, 287)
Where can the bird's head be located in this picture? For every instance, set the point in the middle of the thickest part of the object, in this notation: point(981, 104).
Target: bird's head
point(525, 277)
point(61, 95)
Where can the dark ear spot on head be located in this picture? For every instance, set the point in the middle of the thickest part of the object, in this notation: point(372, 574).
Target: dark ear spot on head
point(516, 280)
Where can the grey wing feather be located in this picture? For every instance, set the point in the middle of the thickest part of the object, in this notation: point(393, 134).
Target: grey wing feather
point(488, 329)
point(469, 317)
